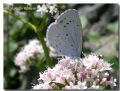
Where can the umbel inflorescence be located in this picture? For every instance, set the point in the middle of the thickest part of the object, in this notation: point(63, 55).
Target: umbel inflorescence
point(27, 52)
point(90, 72)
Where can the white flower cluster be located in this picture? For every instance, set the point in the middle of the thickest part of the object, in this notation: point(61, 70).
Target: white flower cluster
point(45, 8)
point(90, 72)
point(26, 53)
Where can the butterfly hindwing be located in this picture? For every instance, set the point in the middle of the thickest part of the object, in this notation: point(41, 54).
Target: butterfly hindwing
point(65, 35)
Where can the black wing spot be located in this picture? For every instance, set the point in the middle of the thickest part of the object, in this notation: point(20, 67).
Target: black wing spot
point(71, 45)
point(56, 45)
point(61, 21)
point(67, 23)
point(66, 34)
point(70, 21)
point(64, 26)
point(65, 18)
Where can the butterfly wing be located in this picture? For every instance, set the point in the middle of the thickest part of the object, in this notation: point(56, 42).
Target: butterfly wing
point(65, 35)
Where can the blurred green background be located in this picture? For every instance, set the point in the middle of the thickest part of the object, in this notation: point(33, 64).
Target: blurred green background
point(100, 36)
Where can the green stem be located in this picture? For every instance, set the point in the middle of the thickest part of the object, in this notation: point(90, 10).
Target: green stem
point(45, 48)
point(22, 20)
point(41, 38)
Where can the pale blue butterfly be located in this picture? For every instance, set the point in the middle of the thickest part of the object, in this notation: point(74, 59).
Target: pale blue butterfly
point(65, 35)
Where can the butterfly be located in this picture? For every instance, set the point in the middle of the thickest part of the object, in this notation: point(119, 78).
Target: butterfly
point(65, 34)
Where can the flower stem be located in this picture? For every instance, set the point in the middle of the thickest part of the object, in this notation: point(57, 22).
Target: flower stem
point(32, 26)
point(45, 48)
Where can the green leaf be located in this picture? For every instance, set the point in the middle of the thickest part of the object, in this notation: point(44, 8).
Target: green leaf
point(13, 72)
point(112, 27)
point(22, 19)
point(84, 21)
point(112, 60)
point(13, 46)
point(93, 36)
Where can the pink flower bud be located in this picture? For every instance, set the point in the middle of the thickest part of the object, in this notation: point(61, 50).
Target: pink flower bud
point(103, 80)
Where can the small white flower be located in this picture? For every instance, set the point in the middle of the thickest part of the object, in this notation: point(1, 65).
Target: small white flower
point(82, 85)
point(45, 8)
point(52, 8)
point(38, 86)
point(60, 80)
point(112, 82)
point(94, 87)
point(42, 9)
point(23, 68)
point(72, 86)
point(42, 86)
point(90, 61)
point(106, 74)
